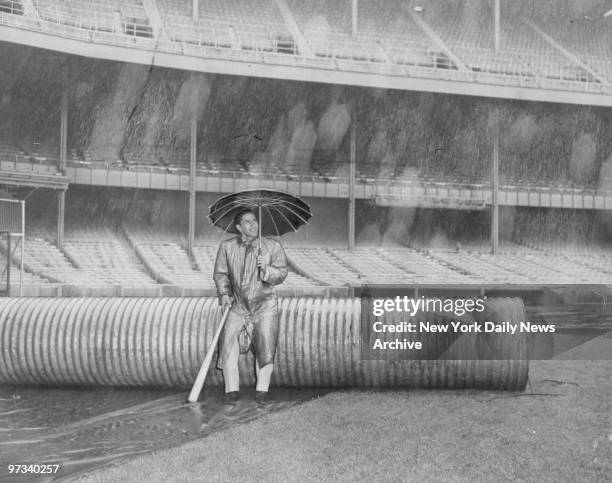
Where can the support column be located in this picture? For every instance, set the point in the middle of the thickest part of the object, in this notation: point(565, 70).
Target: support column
point(61, 196)
point(195, 10)
point(355, 13)
point(63, 132)
point(495, 186)
point(497, 25)
point(22, 249)
point(351, 190)
point(192, 181)
point(61, 209)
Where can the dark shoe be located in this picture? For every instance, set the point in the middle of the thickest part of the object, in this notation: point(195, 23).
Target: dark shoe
point(231, 397)
point(262, 397)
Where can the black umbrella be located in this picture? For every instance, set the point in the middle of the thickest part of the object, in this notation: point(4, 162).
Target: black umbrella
point(278, 212)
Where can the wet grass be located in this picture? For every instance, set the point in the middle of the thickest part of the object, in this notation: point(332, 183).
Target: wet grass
point(559, 429)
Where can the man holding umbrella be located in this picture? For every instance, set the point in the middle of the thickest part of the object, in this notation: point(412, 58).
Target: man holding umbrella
point(245, 280)
point(246, 269)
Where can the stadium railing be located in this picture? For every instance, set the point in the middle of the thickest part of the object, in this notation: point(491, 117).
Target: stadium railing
point(14, 7)
point(430, 180)
point(478, 193)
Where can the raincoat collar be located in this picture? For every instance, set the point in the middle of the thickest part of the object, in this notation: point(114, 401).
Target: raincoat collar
point(243, 241)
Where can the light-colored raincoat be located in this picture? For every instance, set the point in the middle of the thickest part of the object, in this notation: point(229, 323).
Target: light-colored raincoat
point(254, 300)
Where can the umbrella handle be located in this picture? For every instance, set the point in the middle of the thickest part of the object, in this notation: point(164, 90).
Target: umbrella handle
point(259, 274)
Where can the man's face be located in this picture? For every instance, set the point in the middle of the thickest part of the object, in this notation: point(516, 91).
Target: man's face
point(248, 225)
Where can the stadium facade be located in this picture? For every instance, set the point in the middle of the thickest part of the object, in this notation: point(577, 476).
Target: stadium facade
point(432, 128)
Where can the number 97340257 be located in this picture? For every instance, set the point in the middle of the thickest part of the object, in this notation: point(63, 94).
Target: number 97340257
point(34, 468)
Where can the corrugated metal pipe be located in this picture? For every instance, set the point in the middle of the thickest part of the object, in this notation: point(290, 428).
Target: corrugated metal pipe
point(162, 342)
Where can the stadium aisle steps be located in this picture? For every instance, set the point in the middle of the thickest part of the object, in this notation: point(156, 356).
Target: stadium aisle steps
point(477, 267)
point(103, 255)
point(321, 265)
point(45, 260)
point(372, 267)
point(166, 259)
point(424, 267)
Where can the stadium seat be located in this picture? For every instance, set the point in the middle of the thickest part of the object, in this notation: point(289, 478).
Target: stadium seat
point(102, 255)
point(245, 24)
point(120, 17)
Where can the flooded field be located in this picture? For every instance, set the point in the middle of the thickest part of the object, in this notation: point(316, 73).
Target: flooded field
point(84, 428)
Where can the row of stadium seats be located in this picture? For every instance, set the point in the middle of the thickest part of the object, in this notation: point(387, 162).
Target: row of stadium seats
point(105, 260)
point(372, 265)
point(319, 264)
point(167, 260)
point(248, 24)
point(532, 268)
point(599, 263)
point(333, 171)
point(90, 257)
point(13, 158)
point(16, 277)
point(125, 17)
point(405, 265)
point(45, 260)
point(171, 263)
point(458, 24)
point(578, 248)
point(386, 33)
point(426, 269)
point(245, 11)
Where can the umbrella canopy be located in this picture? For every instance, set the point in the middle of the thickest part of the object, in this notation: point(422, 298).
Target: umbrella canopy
point(278, 212)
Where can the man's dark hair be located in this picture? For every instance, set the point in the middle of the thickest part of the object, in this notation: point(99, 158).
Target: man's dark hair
point(241, 213)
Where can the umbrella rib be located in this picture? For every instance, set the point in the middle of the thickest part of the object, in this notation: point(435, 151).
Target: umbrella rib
point(288, 220)
point(273, 221)
point(237, 203)
point(296, 214)
point(288, 202)
point(228, 226)
point(281, 199)
point(220, 218)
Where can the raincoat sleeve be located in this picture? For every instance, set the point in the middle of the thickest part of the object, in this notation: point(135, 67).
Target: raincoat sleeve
point(221, 273)
point(276, 271)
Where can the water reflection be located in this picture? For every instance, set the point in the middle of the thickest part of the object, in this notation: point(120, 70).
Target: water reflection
point(575, 325)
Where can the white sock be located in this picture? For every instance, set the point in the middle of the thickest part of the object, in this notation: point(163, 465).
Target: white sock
point(231, 375)
point(264, 375)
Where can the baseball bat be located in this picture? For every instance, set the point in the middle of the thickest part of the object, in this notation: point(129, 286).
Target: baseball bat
point(199, 382)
